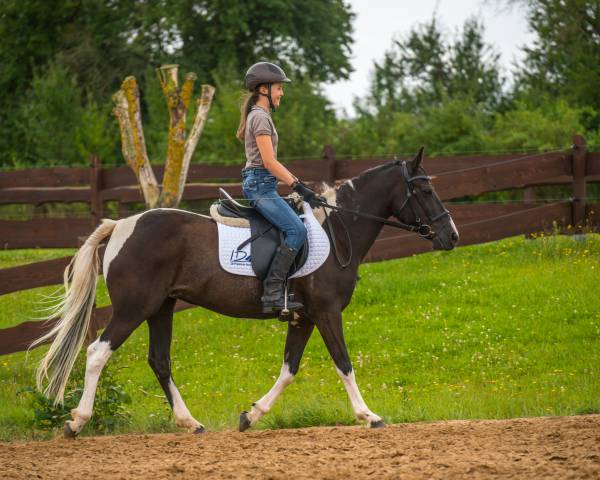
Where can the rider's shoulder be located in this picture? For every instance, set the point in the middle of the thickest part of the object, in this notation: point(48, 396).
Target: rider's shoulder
point(257, 111)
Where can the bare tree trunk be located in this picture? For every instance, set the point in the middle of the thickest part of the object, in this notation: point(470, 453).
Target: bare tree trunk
point(202, 107)
point(178, 102)
point(179, 151)
point(133, 144)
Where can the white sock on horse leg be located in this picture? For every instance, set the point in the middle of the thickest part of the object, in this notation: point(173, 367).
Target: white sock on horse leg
point(98, 354)
point(183, 417)
point(263, 405)
point(359, 406)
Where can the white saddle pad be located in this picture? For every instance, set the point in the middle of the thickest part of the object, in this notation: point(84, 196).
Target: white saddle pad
point(238, 261)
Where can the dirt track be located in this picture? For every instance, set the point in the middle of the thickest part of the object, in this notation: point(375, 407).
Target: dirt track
point(560, 447)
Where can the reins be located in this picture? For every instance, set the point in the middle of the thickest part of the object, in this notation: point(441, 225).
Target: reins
point(423, 229)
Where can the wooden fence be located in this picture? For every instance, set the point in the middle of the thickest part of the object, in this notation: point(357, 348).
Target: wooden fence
point(455, 177)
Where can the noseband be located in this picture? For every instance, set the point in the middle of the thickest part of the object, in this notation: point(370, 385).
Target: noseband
point(423, 229)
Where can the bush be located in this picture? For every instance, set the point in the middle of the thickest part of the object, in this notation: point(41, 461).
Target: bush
point(109, 404)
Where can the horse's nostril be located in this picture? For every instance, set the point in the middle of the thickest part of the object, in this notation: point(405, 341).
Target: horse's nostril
point(454, 237)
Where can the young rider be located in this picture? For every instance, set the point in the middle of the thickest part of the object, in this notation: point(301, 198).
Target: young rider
point(262, 170)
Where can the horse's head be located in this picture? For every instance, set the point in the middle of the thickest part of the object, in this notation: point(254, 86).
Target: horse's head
point(416, 203)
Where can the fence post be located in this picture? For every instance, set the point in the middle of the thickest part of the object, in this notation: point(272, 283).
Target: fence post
point(529, 195)
point(96, 206)
point(329, 155)
point(579, 185)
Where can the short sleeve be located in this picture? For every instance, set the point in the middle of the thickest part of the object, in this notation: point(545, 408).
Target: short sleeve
point(260, 125)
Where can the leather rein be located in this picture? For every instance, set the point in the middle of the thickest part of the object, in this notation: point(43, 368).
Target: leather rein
point(423, 229)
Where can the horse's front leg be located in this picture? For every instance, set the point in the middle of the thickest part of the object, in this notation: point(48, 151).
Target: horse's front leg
point(296, 340)
point(330, 327)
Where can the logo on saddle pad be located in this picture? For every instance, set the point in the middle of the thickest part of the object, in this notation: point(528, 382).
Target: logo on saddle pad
point(239, 261)
point(239, 256)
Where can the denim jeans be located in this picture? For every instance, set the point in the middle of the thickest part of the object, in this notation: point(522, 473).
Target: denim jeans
point(260, 188)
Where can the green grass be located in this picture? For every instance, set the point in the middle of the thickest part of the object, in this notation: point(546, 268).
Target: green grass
point(505, 329)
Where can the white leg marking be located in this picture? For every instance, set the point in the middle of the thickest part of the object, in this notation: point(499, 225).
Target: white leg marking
point(183, 417)
point(98, 354)
point(359, 406)
point(263, 406)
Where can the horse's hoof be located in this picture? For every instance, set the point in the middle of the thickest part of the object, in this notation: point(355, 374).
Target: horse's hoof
point(377, 424)
point(244, 421)
point(199, 430)
point(68, 433)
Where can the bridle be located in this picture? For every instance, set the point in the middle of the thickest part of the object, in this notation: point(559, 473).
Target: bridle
point(423, 229)
point(411, 199)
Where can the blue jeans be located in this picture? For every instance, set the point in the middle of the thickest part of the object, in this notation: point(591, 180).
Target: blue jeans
point(260, 188)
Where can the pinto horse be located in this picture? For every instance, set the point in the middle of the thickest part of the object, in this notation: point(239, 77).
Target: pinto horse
point(161, 255)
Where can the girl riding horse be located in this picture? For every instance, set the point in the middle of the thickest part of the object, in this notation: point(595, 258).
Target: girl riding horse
point(262, 170)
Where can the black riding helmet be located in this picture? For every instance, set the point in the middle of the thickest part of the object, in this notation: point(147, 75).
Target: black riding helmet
point(265, 72)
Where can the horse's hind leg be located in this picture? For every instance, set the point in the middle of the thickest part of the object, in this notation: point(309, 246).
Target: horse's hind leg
point(159, 358)
point(296, 340)
point(98, 353)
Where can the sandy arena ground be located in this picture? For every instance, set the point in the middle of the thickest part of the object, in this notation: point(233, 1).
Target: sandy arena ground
point(558, 447)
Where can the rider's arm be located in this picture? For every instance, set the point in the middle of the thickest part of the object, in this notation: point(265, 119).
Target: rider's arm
point(265, 147)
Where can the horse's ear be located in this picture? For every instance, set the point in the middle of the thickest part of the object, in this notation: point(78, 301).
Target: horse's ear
point(418, 159)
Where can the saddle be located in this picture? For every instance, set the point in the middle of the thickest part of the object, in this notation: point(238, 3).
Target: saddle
point(265, 237)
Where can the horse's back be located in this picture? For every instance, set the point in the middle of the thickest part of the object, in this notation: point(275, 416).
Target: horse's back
point(159, 234)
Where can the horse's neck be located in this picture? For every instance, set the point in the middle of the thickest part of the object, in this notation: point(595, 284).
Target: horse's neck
point(366, 198)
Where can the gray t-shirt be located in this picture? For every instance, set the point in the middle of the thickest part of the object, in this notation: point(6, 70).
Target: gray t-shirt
point(258, 122)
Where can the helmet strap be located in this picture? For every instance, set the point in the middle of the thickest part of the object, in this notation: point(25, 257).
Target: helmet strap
point(268, 95)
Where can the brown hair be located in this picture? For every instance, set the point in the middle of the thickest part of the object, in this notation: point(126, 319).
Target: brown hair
point(249, 101)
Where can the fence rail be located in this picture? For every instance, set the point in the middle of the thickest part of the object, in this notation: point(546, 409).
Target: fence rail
point(455, 177)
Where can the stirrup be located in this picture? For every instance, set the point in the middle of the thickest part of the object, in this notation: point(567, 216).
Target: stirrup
point(288, 305)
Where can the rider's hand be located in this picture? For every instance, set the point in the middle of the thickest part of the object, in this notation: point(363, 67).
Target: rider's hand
point(309, 195)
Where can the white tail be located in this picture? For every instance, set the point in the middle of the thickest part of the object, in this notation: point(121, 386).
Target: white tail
point(75, 310)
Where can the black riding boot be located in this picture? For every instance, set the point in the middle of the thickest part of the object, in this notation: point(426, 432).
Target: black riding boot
point(274, 283)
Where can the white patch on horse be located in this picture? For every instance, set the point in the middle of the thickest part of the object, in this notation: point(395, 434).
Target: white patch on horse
point(329, 193)
point(98, 354)
point(359, 406)
point(183, 417)
point(453, 226)
point(123, 231)
point(263, 405)
point(120, 234)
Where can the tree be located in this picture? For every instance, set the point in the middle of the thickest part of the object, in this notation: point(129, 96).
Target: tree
point(99, 41)
point(564, 59)
point(311, 38)
point(426, 68)
point(180, 146)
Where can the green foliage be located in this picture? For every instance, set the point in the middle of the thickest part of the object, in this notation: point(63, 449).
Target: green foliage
point(430, 88)
point(57, 128)
point(110, 411)
point(548, 126)
point(564, 59)
point(310, 38)
point(426, 68)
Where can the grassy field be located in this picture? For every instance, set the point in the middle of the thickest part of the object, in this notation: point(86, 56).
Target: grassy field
point(505, 329)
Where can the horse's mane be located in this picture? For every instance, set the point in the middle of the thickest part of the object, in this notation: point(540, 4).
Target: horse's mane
point(372, 172)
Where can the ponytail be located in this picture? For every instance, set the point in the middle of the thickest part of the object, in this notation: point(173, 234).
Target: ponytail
point(249, 101)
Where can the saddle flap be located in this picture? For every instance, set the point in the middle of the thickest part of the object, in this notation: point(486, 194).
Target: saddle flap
point(266, 239)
